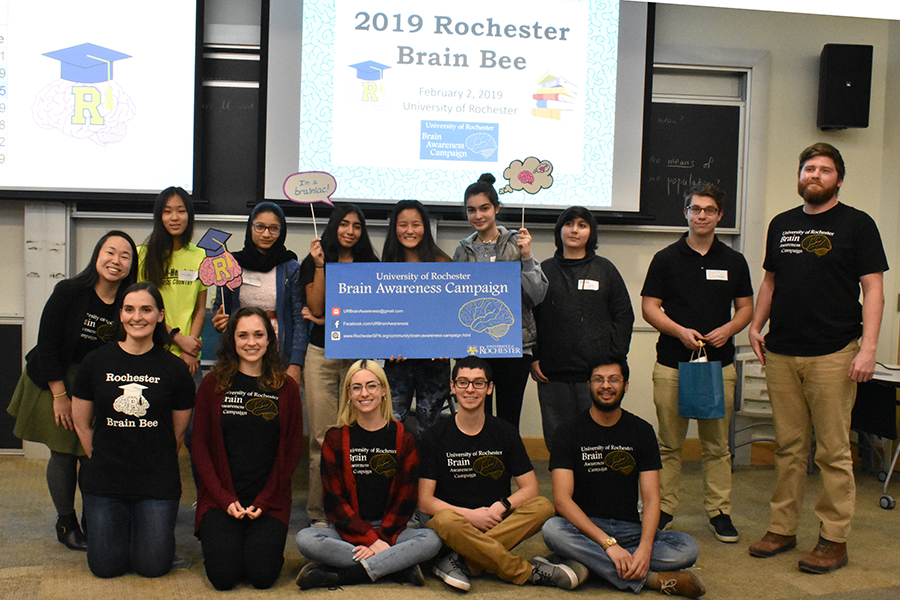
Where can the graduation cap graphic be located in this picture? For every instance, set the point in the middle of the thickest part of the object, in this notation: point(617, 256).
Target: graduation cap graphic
point(132, 401)
point(88, 63)
point(219, 267)
point(369, 70)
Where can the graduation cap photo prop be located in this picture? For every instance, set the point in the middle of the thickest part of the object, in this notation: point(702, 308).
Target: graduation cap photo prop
point(219, 267)
point(88, 63)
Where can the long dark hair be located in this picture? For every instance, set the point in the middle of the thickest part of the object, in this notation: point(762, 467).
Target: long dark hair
point(160, 334)
point(88, 277)
point(161, 242)
point(427, 250)
point(273, 372)
point(362, 251)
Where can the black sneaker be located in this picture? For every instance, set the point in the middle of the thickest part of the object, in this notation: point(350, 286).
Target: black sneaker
point(723, 528)
point(665, 519)
point(543, 572)
point(411, 575)
point(315, 575)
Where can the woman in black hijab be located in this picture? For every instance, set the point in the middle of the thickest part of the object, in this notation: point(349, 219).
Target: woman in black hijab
point(271, 276)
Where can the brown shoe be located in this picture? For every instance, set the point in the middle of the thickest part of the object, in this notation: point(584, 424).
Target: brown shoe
point(680, 583)
point(826, 557)
point(772, 544)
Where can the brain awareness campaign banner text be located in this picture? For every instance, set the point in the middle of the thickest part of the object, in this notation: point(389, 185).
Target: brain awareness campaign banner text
point(423, 310)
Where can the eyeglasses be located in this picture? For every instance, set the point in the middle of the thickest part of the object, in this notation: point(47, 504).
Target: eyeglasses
point(478, 384)
point(710, 211)
point(612, 380)
point(373, 387)
point(273, 229)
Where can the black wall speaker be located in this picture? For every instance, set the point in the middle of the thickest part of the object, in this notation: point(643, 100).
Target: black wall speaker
point(845, 84)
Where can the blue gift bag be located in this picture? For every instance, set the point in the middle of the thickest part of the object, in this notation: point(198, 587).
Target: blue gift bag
point(701, 390)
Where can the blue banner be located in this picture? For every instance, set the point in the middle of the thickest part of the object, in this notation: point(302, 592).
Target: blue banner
point(423, 310)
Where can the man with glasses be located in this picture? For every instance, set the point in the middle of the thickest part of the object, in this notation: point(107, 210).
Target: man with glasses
point(688, 296)
point(599, 461)
point(466, 464)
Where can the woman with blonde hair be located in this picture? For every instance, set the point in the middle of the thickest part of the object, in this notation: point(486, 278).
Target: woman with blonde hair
point(370, 478)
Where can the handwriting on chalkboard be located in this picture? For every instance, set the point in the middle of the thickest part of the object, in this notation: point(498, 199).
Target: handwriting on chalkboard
point(687, 144)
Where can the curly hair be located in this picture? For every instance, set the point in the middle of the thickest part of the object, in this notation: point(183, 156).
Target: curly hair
point(273, 371)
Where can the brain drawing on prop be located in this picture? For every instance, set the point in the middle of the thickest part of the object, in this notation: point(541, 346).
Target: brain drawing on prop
point(55, 105)
point(487, 315)
point(482, 143)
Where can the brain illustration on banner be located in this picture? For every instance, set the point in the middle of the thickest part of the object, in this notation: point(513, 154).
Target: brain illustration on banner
point(309, 187)
point(488, 315)
point(219, 267)
point(531, 175)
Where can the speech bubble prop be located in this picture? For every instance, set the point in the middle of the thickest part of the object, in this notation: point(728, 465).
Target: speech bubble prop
point(310, 186)
point(219, 267)
point(531, 175)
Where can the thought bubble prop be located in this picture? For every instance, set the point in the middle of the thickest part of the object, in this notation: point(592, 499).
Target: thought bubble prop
point(308, 187)
point(488, 315)
point(531, 175)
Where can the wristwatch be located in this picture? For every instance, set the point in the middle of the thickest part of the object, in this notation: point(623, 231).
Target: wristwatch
point(506, 504)
point(610, 541)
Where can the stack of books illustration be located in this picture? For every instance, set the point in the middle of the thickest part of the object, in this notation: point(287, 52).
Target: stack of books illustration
point(553, 97)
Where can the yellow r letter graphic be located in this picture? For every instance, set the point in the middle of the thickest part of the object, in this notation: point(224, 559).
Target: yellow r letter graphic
point(220, 263)
point(86, 98)
point(369, 89)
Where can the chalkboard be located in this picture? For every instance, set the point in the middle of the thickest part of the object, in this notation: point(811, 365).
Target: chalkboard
point(687, 143)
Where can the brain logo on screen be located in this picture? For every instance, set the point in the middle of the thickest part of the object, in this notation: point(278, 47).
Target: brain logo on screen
point(85, 102)
point(487, 315)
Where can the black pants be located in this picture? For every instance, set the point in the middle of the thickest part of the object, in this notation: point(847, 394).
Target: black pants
point(510, 379)
point(236, 549)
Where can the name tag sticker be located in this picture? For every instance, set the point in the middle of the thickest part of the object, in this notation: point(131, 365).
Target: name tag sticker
point(716, 275)
point(250, 280)
point(588, 284)
point(187, 275)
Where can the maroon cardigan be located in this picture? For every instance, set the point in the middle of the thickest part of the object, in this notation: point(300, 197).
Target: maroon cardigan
point(341, 496)
point(215, 488)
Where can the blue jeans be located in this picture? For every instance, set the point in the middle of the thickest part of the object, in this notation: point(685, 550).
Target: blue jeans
point(325, 545)
point(130, 535)
point(672, 550)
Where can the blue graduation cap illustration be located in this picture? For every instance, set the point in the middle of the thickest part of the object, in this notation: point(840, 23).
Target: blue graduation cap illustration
point(86, 63)
point(213, 241)
point(369, 70)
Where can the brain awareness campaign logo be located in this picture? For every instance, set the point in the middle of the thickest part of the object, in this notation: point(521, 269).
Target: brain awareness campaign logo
point(132, 401)
point(488, 315)
point(818, 244)
point(488, 466)
point(384, 464)
point(619, 460)
point(85, 102)
point(262, 407)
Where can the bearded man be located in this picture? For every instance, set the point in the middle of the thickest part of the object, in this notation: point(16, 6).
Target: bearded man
point(821, 341)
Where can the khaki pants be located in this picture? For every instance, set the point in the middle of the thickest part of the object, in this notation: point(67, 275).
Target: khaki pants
point(489, 551)
point(716, 457)
point(813, 392)
point(322, 379)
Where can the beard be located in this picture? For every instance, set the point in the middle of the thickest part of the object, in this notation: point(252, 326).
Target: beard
point(818, 196)
point(611, 406)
